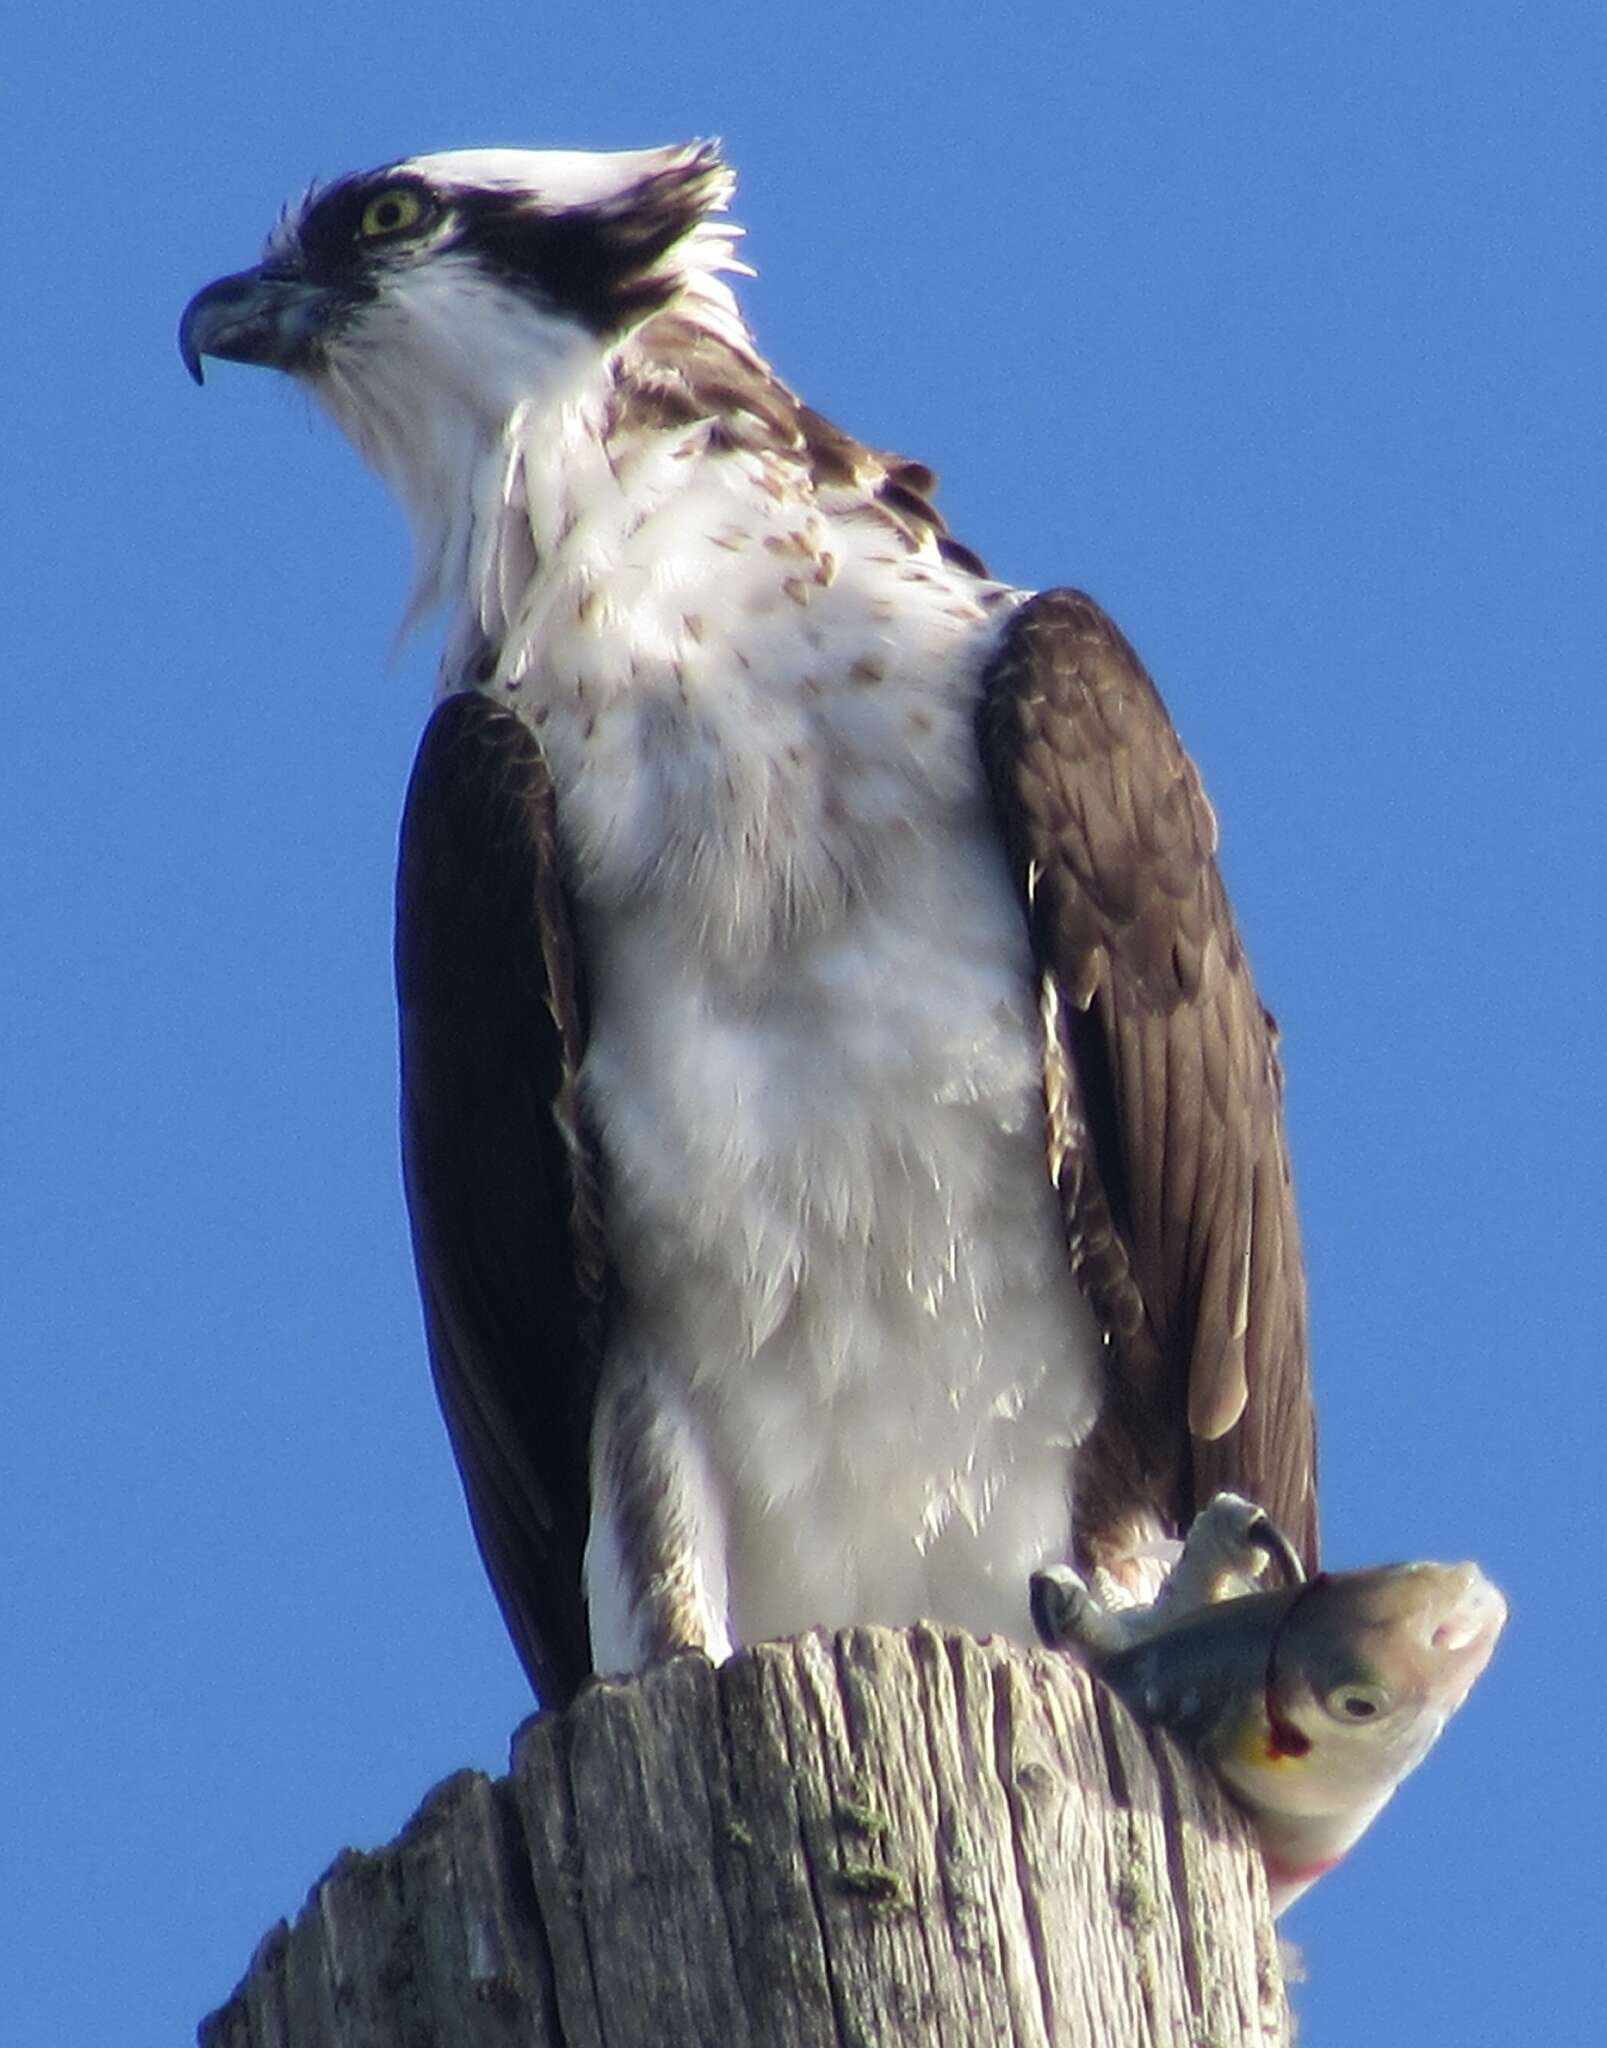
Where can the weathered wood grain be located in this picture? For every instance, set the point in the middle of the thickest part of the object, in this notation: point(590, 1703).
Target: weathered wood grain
point(843, 1841)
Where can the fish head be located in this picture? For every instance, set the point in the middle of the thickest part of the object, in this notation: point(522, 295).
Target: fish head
point(1363, 1671)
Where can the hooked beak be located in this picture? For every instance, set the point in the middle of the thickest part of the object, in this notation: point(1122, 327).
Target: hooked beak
point(257, 316)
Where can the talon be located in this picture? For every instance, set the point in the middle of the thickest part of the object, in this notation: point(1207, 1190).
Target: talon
point(1059, 1602)
point(1265, 1534)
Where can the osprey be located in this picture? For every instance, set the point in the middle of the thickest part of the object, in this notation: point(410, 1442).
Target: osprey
point(843, 1143)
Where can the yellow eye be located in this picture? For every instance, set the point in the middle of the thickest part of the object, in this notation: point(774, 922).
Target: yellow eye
point(392, 212)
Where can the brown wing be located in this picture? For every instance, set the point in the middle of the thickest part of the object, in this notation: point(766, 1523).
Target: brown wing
point(501, 1181)
point(1164, 1091)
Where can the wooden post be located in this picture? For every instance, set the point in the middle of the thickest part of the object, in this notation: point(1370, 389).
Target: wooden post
point(848, 1841)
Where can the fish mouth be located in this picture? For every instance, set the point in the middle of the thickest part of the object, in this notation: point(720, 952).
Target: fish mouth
point(1477, 1614)
point(1461, 1632)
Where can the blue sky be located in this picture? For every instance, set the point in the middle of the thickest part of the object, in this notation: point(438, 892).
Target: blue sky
point(1276, 328)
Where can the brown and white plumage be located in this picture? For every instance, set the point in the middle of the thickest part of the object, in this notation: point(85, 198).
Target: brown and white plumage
point(843, 1142)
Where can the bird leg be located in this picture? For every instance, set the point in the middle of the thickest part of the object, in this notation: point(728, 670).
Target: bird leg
point(1229, 1545)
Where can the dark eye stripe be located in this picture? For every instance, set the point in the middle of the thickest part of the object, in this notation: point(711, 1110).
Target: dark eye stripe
point(333, 230)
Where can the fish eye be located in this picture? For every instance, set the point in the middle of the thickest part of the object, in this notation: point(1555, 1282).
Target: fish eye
point(1356, 1702)
point(391, 212)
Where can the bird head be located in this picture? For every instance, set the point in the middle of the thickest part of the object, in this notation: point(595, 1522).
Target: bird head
point(429, 303)
point(457, 259)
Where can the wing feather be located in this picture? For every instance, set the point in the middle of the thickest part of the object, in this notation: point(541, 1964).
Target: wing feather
point(501, 1177)
point(1167, 1144)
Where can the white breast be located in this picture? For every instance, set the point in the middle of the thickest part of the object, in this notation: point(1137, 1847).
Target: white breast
point(815, 1070)
point(839, 1246)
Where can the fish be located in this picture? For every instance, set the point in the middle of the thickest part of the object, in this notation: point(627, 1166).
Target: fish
point(1310, 1702)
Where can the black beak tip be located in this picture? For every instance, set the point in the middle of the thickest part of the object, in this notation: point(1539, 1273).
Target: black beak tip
point(189, 346)
point(272, 318)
